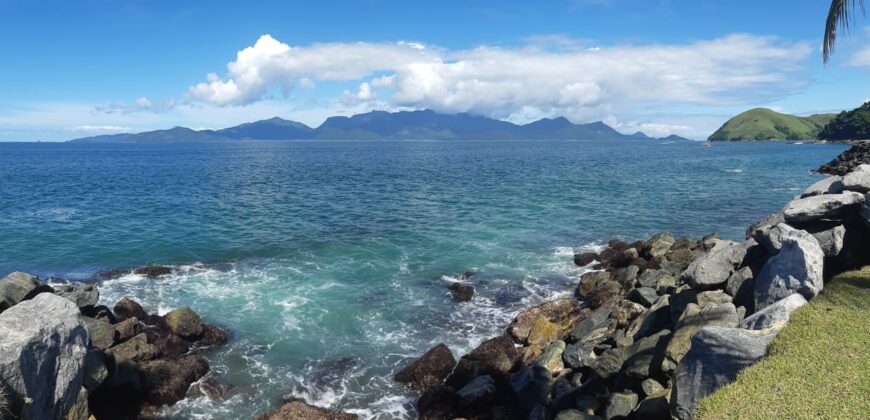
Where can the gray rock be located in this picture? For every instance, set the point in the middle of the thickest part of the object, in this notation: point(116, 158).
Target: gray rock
point(579, 356)
point(865, 213)
point(757, 228)
point(831, 240)
point(95, 370)
point(829, 185)
point(651, 387)
point(43, 344)
point(594, 321)
point(656, 318)
point(644, 358)
point(712, 269)
point(83, 295)
point(864, 167)
point(102, 333)
point(551, 358)
point(857, 181)
point(741, 287)
point(653, 407)
point(621, 404)
point(694, 318)
point(649, 278)
point(718, 354)
point(627, 276)
point(660, 244)
point(770, 237)
point(531, 385)
point(15, 287)
point(480, 389)
point(797, 268)
point(827, 206)
point(608, 363)
point(645, 296)
point(776, 315)
point(573, 414)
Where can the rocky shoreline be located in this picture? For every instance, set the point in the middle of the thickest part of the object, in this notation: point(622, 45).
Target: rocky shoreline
point(654, 326)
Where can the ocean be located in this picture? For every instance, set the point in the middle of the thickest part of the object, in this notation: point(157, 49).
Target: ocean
point(329, 261)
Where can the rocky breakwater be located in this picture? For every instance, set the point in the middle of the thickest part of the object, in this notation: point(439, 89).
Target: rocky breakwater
point(63, 356)
point(655, 325)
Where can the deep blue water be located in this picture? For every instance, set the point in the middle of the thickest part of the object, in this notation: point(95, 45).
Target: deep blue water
point(329, 260)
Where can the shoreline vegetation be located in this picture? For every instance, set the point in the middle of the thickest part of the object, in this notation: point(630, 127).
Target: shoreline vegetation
point(762, 124)
point(654, 327)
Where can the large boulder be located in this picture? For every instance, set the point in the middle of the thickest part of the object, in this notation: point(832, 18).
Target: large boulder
point(428, 370)
point(828, 185)
point(695, 317)
point(17, 287)
point(43, 344)
point(83, 295)
point(798, 267)
point(717, 355)
point(184, 322)
point(776, 315)
point(857, 181)
point(297, 409)
point(494, 357)
point(741, 287)
point(562, 312)
point(828, 206)
point(137, 349)
point(713, 268)
point(831, 239)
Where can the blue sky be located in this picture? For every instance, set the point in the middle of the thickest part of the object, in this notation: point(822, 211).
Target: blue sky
point(76, 68)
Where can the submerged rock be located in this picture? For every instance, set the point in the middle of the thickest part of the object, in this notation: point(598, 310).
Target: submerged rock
point(461, 292)
point(297, 409)
point(43, 344)
point(153, 271)
point(428, 370)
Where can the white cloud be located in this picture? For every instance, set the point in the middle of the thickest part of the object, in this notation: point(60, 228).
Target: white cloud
point(101, 129)
point(580, 83)
point(861, 58)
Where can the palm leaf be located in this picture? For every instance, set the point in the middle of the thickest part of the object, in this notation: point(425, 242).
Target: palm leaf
point(839, 17)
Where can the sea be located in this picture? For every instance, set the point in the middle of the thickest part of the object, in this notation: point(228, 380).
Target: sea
point(329, 261)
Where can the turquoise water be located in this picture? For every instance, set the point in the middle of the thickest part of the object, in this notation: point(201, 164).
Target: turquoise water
point(329, 261)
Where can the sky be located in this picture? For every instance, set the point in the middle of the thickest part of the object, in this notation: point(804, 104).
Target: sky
point(77, 68)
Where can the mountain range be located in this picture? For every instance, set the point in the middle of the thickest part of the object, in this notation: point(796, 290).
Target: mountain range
point(381, 125)
point(766, 124)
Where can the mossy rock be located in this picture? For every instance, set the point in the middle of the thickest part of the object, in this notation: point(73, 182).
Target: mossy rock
point(184, 322)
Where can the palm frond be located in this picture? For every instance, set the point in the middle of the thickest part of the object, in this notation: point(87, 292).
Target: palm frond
point(839, 18)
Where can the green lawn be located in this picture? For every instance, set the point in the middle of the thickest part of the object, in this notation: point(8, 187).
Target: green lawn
point(818, 367)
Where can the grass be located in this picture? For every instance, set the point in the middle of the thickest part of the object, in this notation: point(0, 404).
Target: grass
point(818, 366)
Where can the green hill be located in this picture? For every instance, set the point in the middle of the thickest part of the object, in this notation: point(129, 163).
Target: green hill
point(849, 125)
point(766, 124)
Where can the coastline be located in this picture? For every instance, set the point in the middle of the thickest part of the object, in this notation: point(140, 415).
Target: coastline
point(618, 260)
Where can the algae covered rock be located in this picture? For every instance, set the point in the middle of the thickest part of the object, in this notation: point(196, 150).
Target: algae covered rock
point(184, 322)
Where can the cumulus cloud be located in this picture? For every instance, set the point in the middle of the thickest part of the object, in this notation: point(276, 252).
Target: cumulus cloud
point(580, 83)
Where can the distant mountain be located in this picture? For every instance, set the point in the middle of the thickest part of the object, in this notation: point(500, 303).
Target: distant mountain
point(271, 129)
point(766, 124)
point(849, 125)
point(172, 135)
point(381, 125)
